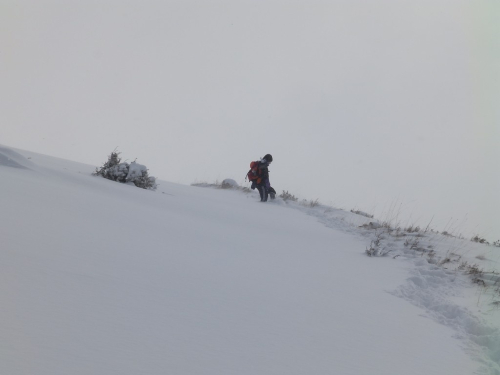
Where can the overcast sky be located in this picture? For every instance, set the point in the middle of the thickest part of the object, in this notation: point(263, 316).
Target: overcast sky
point(384, 106)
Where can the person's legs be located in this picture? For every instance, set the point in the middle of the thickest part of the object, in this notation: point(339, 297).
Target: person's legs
point(260, 188)
point(264, 194)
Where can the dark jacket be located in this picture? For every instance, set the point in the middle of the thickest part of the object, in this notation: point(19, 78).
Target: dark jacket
point(264, 173)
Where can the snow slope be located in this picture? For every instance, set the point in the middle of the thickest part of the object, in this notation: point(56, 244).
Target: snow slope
point(103, 278)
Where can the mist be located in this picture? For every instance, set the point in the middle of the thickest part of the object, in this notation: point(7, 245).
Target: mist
point(388, 107)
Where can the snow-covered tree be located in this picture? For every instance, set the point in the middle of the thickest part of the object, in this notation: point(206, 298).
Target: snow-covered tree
point(135, 173)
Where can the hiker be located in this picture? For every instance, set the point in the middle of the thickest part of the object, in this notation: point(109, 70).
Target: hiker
point(259, 175)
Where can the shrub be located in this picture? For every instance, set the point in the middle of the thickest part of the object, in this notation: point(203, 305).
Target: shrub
point(135, 173)
point(310, 203)
point(375, 249)
point(479, 240)
point(286, 196)
point(372, 225)
point(358, 212)
point(412, 229)
point(474, 270)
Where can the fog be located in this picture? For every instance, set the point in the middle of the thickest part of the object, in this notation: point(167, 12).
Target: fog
point(390, 107)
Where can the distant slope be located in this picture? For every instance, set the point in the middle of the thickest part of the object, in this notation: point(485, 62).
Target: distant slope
point(103, 278)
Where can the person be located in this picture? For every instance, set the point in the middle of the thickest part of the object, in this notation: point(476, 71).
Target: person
point(264, 185)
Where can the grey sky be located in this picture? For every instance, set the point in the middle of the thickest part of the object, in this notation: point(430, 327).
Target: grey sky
point(363, 104)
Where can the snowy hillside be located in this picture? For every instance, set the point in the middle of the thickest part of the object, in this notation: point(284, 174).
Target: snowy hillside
point(104, 278)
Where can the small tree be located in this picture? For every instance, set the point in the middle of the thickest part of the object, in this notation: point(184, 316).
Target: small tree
point(115, 170)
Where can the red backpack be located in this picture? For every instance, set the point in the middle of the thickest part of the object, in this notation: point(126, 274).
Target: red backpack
point(254, 172)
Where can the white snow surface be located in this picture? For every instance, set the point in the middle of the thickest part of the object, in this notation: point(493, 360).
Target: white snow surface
point(99, 277)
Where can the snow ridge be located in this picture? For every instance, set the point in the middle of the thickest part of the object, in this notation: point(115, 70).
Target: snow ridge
point(103, 278)
point(10, 158)
point(430, 288)
point(435, 283)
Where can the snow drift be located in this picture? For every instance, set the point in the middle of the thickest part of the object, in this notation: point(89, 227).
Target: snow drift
point(104, 278)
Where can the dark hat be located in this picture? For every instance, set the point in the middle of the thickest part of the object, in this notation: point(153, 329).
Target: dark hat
point(269, 158)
